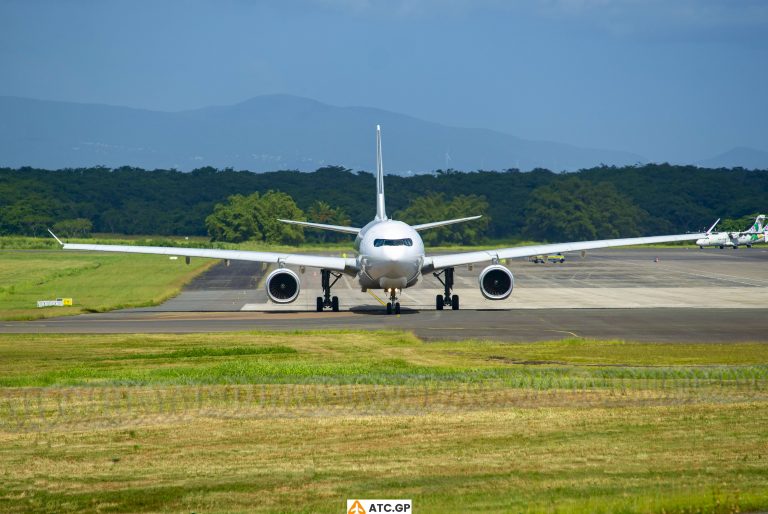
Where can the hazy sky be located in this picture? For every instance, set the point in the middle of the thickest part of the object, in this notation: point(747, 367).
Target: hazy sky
point(671, 80)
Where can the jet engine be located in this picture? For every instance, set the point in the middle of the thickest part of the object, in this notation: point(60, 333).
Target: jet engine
point(496, 282)
point(283, 286)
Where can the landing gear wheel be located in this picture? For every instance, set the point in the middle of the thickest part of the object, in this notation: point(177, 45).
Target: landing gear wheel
point(447, 298)
point(389, 307)
point(397, 308)
point(326, 300)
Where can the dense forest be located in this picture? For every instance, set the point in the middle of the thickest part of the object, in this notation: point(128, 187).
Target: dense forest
point(598, 202)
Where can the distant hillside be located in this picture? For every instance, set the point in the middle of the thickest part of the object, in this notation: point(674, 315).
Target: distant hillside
point(265, 133)
point(672, 199)
point(747, 158)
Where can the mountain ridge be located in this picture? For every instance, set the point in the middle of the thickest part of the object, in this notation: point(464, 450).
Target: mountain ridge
point(741, 156)
point(265, 133)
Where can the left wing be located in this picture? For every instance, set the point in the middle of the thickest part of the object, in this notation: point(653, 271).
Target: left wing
point(347, 265)
point(434, 224)
point(437, 262)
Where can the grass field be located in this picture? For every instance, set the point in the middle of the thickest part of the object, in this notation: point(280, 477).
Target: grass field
point(281, 422)
point(96, 282)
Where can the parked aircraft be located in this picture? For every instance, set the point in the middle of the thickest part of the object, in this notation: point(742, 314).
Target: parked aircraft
point(391, 256)
point(755, 234)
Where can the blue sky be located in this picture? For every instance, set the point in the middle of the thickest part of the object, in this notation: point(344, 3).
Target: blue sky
point(677, 80)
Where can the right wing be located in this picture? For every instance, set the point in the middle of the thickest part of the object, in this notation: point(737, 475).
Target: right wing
point(347, 265)
point(437, 262)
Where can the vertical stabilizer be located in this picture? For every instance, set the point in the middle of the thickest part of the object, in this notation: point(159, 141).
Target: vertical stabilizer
point(381, 211)
point(757, 226)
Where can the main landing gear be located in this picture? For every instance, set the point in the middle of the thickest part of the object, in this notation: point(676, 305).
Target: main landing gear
point(446, 299)
point(326, 300)
point(393, 306)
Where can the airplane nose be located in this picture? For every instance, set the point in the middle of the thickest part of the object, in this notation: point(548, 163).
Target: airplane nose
point(393, 254)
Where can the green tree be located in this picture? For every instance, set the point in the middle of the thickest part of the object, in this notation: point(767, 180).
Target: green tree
point(255, 217)
point(236, 220)
point(79, 227)
point(573, 209)
point(434, 207)
point(277, 205)
point(322, 212)
point(736, 224)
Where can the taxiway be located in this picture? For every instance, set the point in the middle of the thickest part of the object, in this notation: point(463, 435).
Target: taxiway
point(646, 294)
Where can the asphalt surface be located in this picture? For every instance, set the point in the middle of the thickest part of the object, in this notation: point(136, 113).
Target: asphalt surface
point(687, 295)
point(660, 325)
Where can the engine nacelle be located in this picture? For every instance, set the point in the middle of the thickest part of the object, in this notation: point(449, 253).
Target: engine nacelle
point(496, 282)
point(283, 286)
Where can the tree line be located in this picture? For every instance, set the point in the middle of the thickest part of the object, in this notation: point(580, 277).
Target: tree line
point(600, 202)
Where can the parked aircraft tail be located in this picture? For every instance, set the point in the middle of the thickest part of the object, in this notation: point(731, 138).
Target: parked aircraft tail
point(758, 225)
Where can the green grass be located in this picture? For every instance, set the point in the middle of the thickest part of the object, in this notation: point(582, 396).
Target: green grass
point(299, 422)
point(361, 357)
point(96, 282)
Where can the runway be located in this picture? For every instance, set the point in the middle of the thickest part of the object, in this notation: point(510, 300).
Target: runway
point(647, 294)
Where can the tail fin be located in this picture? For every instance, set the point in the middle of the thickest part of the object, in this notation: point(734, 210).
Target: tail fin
point(381, 211)
point(760, 223)
point(757, 226)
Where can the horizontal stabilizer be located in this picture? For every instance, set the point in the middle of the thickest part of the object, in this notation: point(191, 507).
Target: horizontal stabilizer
point(323, 226)
point(434, 224)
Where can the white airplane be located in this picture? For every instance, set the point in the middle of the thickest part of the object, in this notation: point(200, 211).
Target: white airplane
point(391, 257)
point(755, 234)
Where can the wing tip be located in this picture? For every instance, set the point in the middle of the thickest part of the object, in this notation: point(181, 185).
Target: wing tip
point(54, 236)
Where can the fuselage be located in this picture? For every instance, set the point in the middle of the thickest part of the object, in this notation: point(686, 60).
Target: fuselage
point(731, 239)
point(390, 255)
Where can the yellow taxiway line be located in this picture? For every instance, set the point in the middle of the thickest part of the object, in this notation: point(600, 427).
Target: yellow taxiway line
point(375, 296)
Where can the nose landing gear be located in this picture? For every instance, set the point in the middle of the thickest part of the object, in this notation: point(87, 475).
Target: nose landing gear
point(447, 298)
point(326, 300)
point(393, 306)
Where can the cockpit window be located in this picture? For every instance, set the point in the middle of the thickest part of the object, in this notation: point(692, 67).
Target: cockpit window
point(393, 242)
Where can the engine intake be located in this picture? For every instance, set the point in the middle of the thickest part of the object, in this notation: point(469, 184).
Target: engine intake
point(283, 286)
point(496, 282)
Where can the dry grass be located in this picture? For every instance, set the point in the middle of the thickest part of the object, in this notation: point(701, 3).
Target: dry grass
point(706, 457)
point(141, 424)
